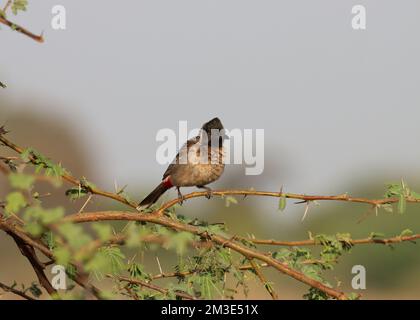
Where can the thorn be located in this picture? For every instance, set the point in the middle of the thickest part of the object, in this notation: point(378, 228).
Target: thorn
point(306, 211)
point(3, 130)
point(122, 189)
point(365, 215)
point(115, 185)
point(85, 204)
point(160, 267)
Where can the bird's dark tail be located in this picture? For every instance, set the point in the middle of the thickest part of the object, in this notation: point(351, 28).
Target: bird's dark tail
point(154, 195)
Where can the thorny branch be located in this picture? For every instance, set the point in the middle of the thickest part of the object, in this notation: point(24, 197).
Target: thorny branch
point(15, 291)
point(159, 217)
point(153, 287)
point(14, 26)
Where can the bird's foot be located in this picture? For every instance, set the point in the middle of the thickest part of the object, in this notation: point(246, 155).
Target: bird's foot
point(181, 198)
point(209, 194)
point(209, 191)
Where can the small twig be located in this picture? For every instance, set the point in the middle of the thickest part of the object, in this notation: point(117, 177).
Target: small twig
point(85, 204)
point(160, 267)
point(217, 239)
point(81, 277)
point(13, 26)
point(20, 293)
point(9, 158)
point(38, 266)
point(153, 287)
point(306, 210)
point(130, 292)
point(310, 242)
point(263, 280)
point(7, 5)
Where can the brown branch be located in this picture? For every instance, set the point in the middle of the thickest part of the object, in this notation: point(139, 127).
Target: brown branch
point(158, 217)
point(305, 198)
point(7, 5)
point(81, 278)
point(181, 274)
point(153, 287)
point(220, 240)
point(13, 26)
point(70, 179)
point(263, 280)
point(312, 242)
point(20, 293)
point(29, 252)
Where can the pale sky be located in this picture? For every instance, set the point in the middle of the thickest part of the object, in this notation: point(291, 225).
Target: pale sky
point(337, 105)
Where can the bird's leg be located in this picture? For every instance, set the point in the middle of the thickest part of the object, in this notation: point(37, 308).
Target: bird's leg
point(209, 191)
point(180, 196)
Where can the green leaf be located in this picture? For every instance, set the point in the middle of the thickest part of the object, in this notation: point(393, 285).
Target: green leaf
point(25, 155)
point(104, 231)
point(21, 181)
point(74, 234)
point(19, 5)
point(76, 192)
point(230, 200)
point(44, 216)
point(406, 233)
point(393, 189)
point(106, 260)
point(180, 241)
point(49, 239)
point(52, 215)
point(282, 203)
point(62, 256)
point(282, 254)
point(415, 195)
point(34, 228)
point(35, 290)
point(136, 271)
point(134, 233)
point(315, 294)
point(387, 207)
point(374, 235)
point(206, 286)
point(14, 202)
point(313, 272)
point(353, 296)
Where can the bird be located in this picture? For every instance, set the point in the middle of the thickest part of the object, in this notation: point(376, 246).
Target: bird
point(199, 162)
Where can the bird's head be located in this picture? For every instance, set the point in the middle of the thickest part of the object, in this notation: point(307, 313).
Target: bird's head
point(214, 129)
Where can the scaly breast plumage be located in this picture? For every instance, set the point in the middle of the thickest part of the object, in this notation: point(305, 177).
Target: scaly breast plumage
point(197, 174)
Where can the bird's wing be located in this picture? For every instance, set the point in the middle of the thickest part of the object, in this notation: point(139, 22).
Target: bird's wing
point(183, 150)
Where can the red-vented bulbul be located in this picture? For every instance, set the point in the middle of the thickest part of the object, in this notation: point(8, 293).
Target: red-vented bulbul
point(198, 163)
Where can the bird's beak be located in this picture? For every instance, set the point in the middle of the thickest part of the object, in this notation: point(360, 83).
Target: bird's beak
point(225, 136)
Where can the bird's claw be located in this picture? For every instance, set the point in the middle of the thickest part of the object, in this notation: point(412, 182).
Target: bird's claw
point(209, 194)
point(181, 200)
